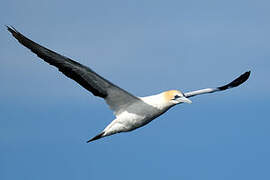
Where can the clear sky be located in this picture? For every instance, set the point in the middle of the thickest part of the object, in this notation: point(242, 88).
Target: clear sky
point(144, 47)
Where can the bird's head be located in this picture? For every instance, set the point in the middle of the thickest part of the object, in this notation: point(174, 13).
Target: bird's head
point(175, 97)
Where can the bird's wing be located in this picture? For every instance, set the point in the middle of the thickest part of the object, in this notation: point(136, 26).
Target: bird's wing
point(115, 97)
point(241, 79)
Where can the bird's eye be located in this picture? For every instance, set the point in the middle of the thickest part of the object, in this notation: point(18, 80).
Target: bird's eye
point(176, 96)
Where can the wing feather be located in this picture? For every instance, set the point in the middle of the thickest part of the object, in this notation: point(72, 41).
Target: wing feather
point(115, 97)
point(238, 81)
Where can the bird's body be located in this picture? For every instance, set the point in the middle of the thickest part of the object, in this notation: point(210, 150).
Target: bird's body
point(131, 111)
point(139, 114)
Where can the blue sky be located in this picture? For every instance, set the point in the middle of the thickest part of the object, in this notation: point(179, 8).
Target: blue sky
point(144, 47)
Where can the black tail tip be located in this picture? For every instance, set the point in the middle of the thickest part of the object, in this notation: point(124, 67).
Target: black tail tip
point(96, 137)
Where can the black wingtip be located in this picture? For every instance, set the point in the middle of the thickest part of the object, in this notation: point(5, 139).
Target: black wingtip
point(13, 31)
point(96, 137)
point(240, 80)
point(10, 28)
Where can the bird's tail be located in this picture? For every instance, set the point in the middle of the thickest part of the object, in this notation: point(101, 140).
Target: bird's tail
point(97, 137)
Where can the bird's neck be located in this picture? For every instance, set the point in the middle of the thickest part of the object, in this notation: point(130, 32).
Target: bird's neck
point(158, 101)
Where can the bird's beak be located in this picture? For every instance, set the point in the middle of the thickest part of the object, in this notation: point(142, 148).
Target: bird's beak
point(184, 100)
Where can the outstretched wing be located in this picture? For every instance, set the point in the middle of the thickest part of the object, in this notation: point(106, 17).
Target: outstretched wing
point(115, 97)
point(241, 79)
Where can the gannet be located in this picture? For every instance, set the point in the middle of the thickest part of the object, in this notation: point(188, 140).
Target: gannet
point(131, 112)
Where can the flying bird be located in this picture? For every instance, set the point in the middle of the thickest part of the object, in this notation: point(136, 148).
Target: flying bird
point(131, 112)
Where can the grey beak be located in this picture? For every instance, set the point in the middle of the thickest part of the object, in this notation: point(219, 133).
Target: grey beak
point(184, 100)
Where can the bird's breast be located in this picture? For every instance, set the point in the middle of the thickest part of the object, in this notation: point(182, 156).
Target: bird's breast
point(138, 115)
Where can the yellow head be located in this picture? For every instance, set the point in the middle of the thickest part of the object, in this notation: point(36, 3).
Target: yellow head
point(175, 97)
